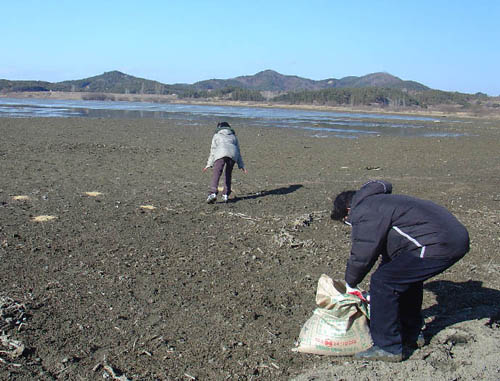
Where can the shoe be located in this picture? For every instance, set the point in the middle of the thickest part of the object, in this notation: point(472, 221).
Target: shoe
point(375, 353)
point(225, 197)
point(211, 198)
point(419, 343)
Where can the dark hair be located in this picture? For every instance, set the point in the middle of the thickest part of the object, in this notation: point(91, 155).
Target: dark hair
point(224, 126)
point(340, 205)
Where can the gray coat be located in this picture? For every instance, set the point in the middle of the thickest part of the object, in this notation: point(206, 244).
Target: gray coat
point(389, 225)
point(225, 144)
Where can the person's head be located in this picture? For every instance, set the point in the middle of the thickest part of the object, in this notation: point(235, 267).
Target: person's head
point(341, 205)
point(223, 124)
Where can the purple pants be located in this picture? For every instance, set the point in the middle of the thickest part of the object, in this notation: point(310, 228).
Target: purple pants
point(218, 168)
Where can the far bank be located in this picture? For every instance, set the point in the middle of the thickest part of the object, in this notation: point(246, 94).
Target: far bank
point(440, 111)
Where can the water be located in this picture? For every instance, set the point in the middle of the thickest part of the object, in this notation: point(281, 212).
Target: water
point(320, 124)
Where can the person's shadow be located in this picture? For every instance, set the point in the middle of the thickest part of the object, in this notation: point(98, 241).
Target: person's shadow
point(461, 301)
point(264, 193)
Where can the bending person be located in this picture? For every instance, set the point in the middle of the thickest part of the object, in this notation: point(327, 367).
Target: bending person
point(416, 240)
point(224, 153)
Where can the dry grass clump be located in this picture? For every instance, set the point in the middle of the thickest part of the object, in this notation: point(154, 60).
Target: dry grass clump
point(148, 207)
point(43, 218)
point(21, 198)
point(93, 194)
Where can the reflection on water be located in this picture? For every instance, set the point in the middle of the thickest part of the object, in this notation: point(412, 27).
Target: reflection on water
point(320, 124)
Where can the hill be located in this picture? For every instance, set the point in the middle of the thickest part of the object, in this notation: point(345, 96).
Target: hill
point(383, 80)
point(115, 82)
point(269, 80)
point(375, 89)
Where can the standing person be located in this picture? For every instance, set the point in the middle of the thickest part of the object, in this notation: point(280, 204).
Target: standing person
point(416, 239)
point(224, 152)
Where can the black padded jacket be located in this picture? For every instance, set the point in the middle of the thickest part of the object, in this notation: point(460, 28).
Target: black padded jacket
point(388, 225)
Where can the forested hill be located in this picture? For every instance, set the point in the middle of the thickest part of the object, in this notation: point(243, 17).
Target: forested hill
point(381, 89)
point(111, 82)
point(267, 80)
point(270, 80)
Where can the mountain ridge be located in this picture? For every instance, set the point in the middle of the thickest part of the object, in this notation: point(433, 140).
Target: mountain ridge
point(270, 80)
point(266, 80)
point(375, 89)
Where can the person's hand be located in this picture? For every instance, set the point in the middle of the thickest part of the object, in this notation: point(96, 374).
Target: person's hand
point(356, 292)
point(205, 169)
point(244, 170)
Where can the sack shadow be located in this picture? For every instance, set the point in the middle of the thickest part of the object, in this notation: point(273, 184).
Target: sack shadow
point(461, 301)
point(277, 191)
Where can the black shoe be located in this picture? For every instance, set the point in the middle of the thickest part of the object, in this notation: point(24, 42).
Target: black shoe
point(375, 353)
point(418, 343)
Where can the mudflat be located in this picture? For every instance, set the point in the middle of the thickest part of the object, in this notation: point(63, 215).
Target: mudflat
point(112, 264)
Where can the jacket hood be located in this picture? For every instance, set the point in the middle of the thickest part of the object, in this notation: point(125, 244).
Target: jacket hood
point(369, 189)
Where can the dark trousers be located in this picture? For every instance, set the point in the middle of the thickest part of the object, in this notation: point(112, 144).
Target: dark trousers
point(219, 165)
point(396, 292)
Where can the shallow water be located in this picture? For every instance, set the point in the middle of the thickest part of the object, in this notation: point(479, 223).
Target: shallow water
point(321, 124)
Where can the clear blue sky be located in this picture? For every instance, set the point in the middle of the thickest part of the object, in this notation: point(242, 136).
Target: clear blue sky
point(447, 45)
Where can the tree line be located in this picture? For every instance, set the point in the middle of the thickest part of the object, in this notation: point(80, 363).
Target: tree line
point(362, 96)
point(378, 96)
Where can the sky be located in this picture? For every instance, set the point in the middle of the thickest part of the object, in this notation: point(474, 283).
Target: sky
point(451, 45)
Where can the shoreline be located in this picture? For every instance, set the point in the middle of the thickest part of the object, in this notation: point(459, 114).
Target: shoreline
point(112, 97)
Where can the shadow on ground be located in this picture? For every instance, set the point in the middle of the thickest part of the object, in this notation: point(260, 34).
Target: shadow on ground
point(461, 301)
point(278, 191)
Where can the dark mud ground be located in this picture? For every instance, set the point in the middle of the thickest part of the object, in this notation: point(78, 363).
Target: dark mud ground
point(190, 291)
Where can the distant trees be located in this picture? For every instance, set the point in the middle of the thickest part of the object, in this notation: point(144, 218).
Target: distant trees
point(239, 94)
point(20, 86)
point(396, 97)
point(227, 93)
point(350, 96)
point(98, 97)
point(367, 96)
point(435, 97)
